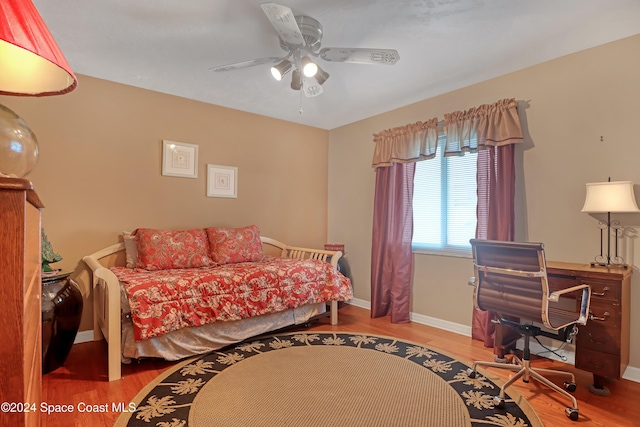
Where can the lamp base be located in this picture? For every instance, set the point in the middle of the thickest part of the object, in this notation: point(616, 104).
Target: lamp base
point(597, 264)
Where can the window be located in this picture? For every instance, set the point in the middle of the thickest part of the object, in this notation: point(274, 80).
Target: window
point(444, 203)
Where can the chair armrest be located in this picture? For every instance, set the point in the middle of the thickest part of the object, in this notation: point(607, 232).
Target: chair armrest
point(555, 296)
point(584, 303)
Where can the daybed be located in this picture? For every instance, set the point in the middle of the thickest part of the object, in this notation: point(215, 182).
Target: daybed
point(140, 314)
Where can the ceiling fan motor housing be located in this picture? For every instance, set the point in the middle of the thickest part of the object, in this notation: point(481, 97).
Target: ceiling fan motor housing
point(311, 31)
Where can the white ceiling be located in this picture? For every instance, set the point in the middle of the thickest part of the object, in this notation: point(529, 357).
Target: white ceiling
point(170, 45)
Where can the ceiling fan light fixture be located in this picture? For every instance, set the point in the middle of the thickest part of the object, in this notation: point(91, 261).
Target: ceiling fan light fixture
point(301, 36)
point(309, 68)
point(296, 80)
point(280, 70)
point(321, 76)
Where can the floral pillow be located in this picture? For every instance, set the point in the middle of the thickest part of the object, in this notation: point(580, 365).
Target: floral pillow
point(232, 245)
point(169, 249)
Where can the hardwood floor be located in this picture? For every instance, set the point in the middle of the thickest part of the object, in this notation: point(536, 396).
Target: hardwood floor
point(82, 382)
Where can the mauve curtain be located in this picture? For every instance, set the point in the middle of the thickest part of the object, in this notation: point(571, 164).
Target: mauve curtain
point(496, 217)
point(394, 158)
point(391, 255)
point(492, 130)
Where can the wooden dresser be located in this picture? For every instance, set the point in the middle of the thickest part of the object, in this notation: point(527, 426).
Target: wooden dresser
point(20, 316)
point(602, 345)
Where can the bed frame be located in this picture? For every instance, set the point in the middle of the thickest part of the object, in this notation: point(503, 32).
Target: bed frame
point(106, 293)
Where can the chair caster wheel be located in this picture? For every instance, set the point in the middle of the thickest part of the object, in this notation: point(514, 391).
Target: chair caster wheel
point(571, 413)
point(570, 386)
point(498, 402)
point(471, 373)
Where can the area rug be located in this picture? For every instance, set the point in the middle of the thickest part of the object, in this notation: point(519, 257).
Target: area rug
point(325, 379)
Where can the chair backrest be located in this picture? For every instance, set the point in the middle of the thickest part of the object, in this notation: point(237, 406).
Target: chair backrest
point(511, 280)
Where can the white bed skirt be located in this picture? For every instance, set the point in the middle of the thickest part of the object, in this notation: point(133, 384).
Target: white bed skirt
point(203, 339)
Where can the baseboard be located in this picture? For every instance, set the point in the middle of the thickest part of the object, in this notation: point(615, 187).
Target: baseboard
point(632, 374)
point(441, 324)
point(360, 303)
point(83, 336)
point(422, 319)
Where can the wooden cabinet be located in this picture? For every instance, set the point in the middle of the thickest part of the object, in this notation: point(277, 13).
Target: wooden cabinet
point(602, 345)
point(20, 326)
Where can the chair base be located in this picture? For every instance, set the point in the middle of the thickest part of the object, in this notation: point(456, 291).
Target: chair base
point(523, 370)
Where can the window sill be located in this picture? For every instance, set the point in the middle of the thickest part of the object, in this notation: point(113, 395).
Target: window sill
point(456, 254)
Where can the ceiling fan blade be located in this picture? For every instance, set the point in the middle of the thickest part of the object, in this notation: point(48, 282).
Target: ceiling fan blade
point(311, 88)
point(360, 55)
point(284, 22)
point(246, 64)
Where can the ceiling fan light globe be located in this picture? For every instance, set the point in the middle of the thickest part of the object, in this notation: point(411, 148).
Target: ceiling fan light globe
point(296, 80)
point(279, 71)
point(309, 69)
point(321, 76)
point(276, 74)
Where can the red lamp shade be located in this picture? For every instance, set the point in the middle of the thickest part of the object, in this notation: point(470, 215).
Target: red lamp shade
point(31, 63)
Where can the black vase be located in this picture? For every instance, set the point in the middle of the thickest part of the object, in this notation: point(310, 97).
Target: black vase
point(61, 314)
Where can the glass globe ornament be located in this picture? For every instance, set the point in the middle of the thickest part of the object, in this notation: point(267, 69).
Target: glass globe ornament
point(18, 145)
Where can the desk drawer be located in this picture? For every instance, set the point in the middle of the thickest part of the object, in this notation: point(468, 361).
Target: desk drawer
point(603, 364)
point(604, 313)
point(602, 290)
point(598, 337)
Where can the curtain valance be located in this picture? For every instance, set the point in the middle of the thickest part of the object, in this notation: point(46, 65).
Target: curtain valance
point(406, 144)
point(494, 124)
point(480, 127)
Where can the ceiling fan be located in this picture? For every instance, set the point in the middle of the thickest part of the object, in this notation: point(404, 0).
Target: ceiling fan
point(301, 36)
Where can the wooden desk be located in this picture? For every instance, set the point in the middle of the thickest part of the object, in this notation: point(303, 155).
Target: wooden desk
point(602, 345)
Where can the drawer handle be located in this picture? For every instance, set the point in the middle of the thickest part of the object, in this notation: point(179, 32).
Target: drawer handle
point(600, 294)
point(601, 319)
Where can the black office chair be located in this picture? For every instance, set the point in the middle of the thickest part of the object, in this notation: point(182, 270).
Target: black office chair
point(511, 281)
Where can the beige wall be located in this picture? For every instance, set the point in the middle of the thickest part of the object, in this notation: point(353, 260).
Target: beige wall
point(569, 103)
point(100, 169)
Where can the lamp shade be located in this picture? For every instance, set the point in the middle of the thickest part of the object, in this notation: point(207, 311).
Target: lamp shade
point(603, 197)
point(31, 64)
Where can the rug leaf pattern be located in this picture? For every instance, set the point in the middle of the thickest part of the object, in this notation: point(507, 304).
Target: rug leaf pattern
point(169, 403)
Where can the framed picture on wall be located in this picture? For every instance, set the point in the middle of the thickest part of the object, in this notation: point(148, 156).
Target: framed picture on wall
point(179, 159)
point(222, 181)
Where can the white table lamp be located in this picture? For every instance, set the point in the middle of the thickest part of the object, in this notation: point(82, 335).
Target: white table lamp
point(608, 197)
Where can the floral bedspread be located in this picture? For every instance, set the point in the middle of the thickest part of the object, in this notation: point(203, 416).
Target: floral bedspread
point(167, 300)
